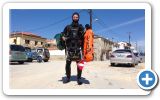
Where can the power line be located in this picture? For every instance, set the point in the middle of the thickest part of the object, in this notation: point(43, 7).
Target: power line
point(52, 24)
point(104, 25)
point(47, 26)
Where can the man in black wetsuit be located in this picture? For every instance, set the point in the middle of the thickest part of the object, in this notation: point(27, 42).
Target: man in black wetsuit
point(73, 37)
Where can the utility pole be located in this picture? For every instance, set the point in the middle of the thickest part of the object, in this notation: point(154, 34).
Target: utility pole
point(129, 37)
point(90, 13)
point(136, 46)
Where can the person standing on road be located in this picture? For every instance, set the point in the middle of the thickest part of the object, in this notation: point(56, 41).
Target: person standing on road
point(73, 36)
point(88, 51)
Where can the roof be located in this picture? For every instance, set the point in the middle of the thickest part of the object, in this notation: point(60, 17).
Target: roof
point(26, 33)
point(51, 41)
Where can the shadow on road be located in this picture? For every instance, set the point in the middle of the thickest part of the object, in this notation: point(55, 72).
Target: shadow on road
point(122, 66)
point(74, 78)
point(16, 63)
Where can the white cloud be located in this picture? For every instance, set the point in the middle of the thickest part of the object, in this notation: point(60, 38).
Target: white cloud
point(121, 24)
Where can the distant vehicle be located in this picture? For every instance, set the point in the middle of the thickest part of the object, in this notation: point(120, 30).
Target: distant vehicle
point(40, 54)
point(17, 54)
point(29, 54)
point(140, 57)
point(123, 56)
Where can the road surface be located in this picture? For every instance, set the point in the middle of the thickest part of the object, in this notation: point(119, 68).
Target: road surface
point(95, 75)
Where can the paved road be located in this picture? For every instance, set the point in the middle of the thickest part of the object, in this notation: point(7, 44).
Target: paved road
point(50, 75)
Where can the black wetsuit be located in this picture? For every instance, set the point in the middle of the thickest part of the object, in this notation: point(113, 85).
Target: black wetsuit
point(74, 46)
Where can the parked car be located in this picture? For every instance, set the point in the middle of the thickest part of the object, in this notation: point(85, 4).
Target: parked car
point(40, 54)
point(29, 54)
point(17, 54)
point(142, 57)
point(139, 57)
point(123, 56)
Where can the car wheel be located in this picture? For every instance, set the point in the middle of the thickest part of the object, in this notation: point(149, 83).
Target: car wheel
point(112, 64)
point(21, 62)
point(46, 60)
point(39, 59)
point(30, 59)
point(141, 60)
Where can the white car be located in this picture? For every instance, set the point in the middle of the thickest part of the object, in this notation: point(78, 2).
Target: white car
point(123, 56)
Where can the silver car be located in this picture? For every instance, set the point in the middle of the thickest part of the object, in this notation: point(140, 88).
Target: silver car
point(123, 56)
point(17, 54)
point(40, 54)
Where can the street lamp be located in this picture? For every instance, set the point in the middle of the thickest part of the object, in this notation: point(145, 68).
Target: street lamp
point(95, 20)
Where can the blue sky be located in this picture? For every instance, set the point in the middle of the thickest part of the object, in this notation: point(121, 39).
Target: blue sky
point(108, 23)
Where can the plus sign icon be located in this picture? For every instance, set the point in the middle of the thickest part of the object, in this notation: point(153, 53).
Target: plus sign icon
point(147, 79)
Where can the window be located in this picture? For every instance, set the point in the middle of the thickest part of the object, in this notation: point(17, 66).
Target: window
point(41, 43)
point(40, 51)
point(17, 48)
point(122, 51)
point(47, 45)
point(36, 42)
point(27, 41)
point(14, 41)
point(27, 49)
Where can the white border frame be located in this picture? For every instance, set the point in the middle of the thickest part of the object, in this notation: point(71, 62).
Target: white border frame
point(6, 25)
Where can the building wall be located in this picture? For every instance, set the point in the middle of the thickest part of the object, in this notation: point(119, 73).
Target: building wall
point(102, 49)
point(11, 40)
point(21, 41)
point(51, 45)
point(97, 48)
point(18, 39)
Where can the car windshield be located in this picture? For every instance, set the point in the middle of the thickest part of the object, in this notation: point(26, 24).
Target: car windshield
point(40, 50)
point(122, 51)
point(33, 50)
point(17, 48)
point(142, 54)
point(136, 54)
point(27, 49)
